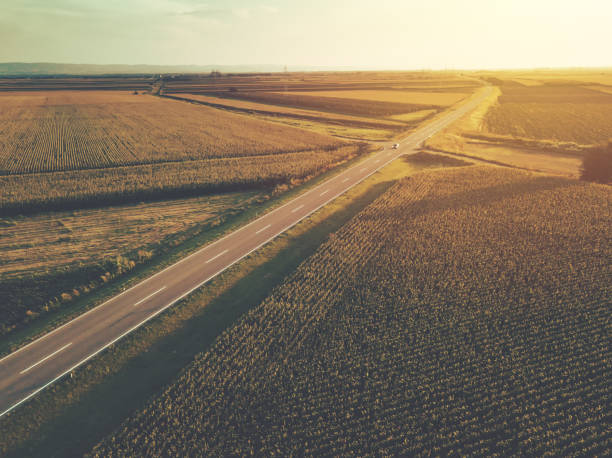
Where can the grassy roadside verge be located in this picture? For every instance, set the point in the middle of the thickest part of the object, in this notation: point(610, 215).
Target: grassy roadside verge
point(67, 312)
point(70, 416)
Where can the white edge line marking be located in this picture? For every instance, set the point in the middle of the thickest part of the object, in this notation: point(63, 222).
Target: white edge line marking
point(297, 208)
point(38, 390)
point(97, 307)
point(324, 192)
point(205, 247)
point(450, 118)
point(154, 314)
point(216, 256)
point(445, 121)
point(263, 229)
point(150, 295)
point(45, 358)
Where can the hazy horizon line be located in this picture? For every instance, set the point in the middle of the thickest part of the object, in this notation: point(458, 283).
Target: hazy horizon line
point(287, 67)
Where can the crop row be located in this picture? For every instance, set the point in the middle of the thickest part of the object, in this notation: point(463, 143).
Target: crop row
point(463, 312)
point(63, 254)
point(260, 108)
point(69, 189)
point(333, 104)
point(565, 113)
point(580, 123)
point(63, 132)
point(312, 82)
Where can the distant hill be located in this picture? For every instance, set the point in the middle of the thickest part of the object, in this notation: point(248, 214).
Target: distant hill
point(48, 68)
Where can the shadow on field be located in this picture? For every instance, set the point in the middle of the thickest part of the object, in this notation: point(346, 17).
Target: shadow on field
point(105, 406)
point(485, 197)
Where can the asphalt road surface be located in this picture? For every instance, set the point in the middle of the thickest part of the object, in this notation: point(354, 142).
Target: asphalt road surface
point(32, 368)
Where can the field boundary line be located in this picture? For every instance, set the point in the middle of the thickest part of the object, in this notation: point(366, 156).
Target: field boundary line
point(326, 182)
point(410, 143)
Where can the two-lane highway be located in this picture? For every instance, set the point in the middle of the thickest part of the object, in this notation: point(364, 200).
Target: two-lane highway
point(37, 365)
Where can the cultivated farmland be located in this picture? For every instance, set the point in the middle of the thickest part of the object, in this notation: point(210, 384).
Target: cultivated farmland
point(74, 189)
point(348, 106)
point(53, 131)
point(543, 121)
point(375, 95)
point(53, 257)
point(396, 96)
point(464, 312)
point(72, 150)
point(338, 125)
point(317, 81)
point(602, 77)
point(260, 108)
point(562, 113)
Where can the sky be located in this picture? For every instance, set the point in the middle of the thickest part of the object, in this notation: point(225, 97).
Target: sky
point(369, 34)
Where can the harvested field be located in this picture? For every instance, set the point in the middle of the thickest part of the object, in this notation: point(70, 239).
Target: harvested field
point(604, 89)
point(54, 131)
point(604, 77)
point(527, 82)
point(544, 127)
point(72, 189)
point(320, 116)
point(346, 132)
point(552, 94)
point(37, 243)
point(553, 77)
point(408, 97)
point(579, 123)
point(348, 106)
point(76, 83)
point(328, 123)
point(561, 113)
point(414, 116)
point(222, 84)
point(438, 87)
point(536, 159)
point(371, 107)
point(48, 258)
point(353, 107)
point(464, 312)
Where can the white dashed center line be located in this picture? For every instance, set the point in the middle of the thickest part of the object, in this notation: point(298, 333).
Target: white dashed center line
point(46, 358)
point(324, 192)
point(297, 208)
point(215, 257)
point(263, 229)
point(150, 295)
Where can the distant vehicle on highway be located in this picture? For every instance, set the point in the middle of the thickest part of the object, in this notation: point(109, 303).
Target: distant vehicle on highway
point(395, 146)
